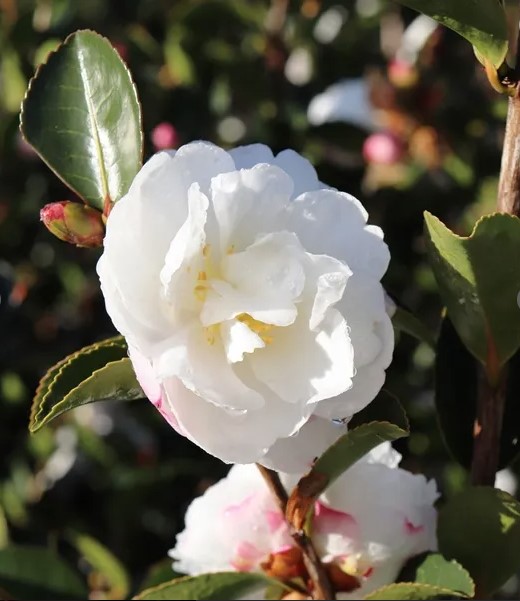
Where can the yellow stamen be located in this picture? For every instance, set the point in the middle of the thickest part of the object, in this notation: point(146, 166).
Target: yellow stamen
point(259, 327)
point(211, 334)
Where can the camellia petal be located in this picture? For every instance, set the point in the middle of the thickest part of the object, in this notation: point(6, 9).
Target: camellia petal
point(233, 437)
point(249, 202)
point(348, 237)
point(203, 368)
point(296, 454)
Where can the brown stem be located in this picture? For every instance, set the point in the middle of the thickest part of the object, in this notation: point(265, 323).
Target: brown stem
point(487, 430)
point(509, 184)
point(318, 575)
point(493, 380)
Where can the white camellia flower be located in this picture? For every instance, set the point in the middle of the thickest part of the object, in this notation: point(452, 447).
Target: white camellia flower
point(367, 524)
point(249, 294)
point(347, 100)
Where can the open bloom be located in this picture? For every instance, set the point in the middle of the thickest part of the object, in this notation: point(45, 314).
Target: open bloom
point(366, 525)
point(249, 294)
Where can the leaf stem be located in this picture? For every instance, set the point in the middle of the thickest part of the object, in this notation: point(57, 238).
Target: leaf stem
point(322, 586)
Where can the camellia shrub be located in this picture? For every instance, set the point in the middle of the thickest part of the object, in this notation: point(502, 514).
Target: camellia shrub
point(248, 299)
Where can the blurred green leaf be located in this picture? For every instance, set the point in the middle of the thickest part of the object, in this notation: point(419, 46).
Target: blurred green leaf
point(37, 573)
point(456, 388)
point(480, 528)
point(43, 51)
point(12, 80)
point(104, 562)
point(210, 587)
point(97, 372)
point(479, 284)
point(82, 116)
point(413, 591)
point(179, 63)
point(410, 324)
point(383, 420)
point(481, 22)
point(438, 571)
point(4, 530)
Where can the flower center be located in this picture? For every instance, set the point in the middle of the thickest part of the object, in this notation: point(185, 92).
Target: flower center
point(202, 286)
point(211, 271)
point(258, 327)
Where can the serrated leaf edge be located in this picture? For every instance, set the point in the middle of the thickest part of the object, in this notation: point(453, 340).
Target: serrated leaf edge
point(505, 216)
point(434, 589)
point(165, 585)
point(56, 371)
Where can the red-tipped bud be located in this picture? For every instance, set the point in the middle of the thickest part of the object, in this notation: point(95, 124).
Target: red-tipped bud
point(402, 74)
point(74, 223)
point(164, 136)
point(382, 149)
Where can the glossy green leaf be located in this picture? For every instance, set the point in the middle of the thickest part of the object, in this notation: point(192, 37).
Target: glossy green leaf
point(82, 116)
point(383, 420)
point(438, 571)
point(159, 573)
point(210, 587)
point(408, 323)
point(480, 528)
point(101, 371)
point(413, 591)
point(481, 22)
point(105, 563)
point(479, 282)
point(457, 374)
point(115, 381)
point(37, 573)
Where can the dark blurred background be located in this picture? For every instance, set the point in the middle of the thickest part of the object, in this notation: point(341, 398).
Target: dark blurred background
point(416, 127)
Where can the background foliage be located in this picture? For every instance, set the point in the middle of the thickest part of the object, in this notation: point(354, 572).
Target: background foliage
point(232, 72)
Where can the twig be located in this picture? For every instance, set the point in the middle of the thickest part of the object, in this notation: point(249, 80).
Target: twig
point(317, 573)
point(493, 380)
point(509, 185)
point(487, 430)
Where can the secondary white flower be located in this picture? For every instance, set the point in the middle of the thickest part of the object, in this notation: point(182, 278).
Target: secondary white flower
point(347, 100)
point(250, 297)
point(370, 521)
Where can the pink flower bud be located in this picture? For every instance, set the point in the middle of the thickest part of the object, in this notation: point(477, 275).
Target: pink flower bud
point(382, 149)
point(74, 223)
point(402, 74)
point(164, 136)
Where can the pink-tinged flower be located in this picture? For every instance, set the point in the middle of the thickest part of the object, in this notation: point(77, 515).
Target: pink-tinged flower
point(366, 526)
point(164, 136)
point(74, 223)
point(402, 74)
point(253, 292)
point(382, 149)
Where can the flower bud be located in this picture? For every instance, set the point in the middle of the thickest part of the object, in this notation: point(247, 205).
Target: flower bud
point(402, 74)
point(74, 223)
point(164, 136)
point(383, 149)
